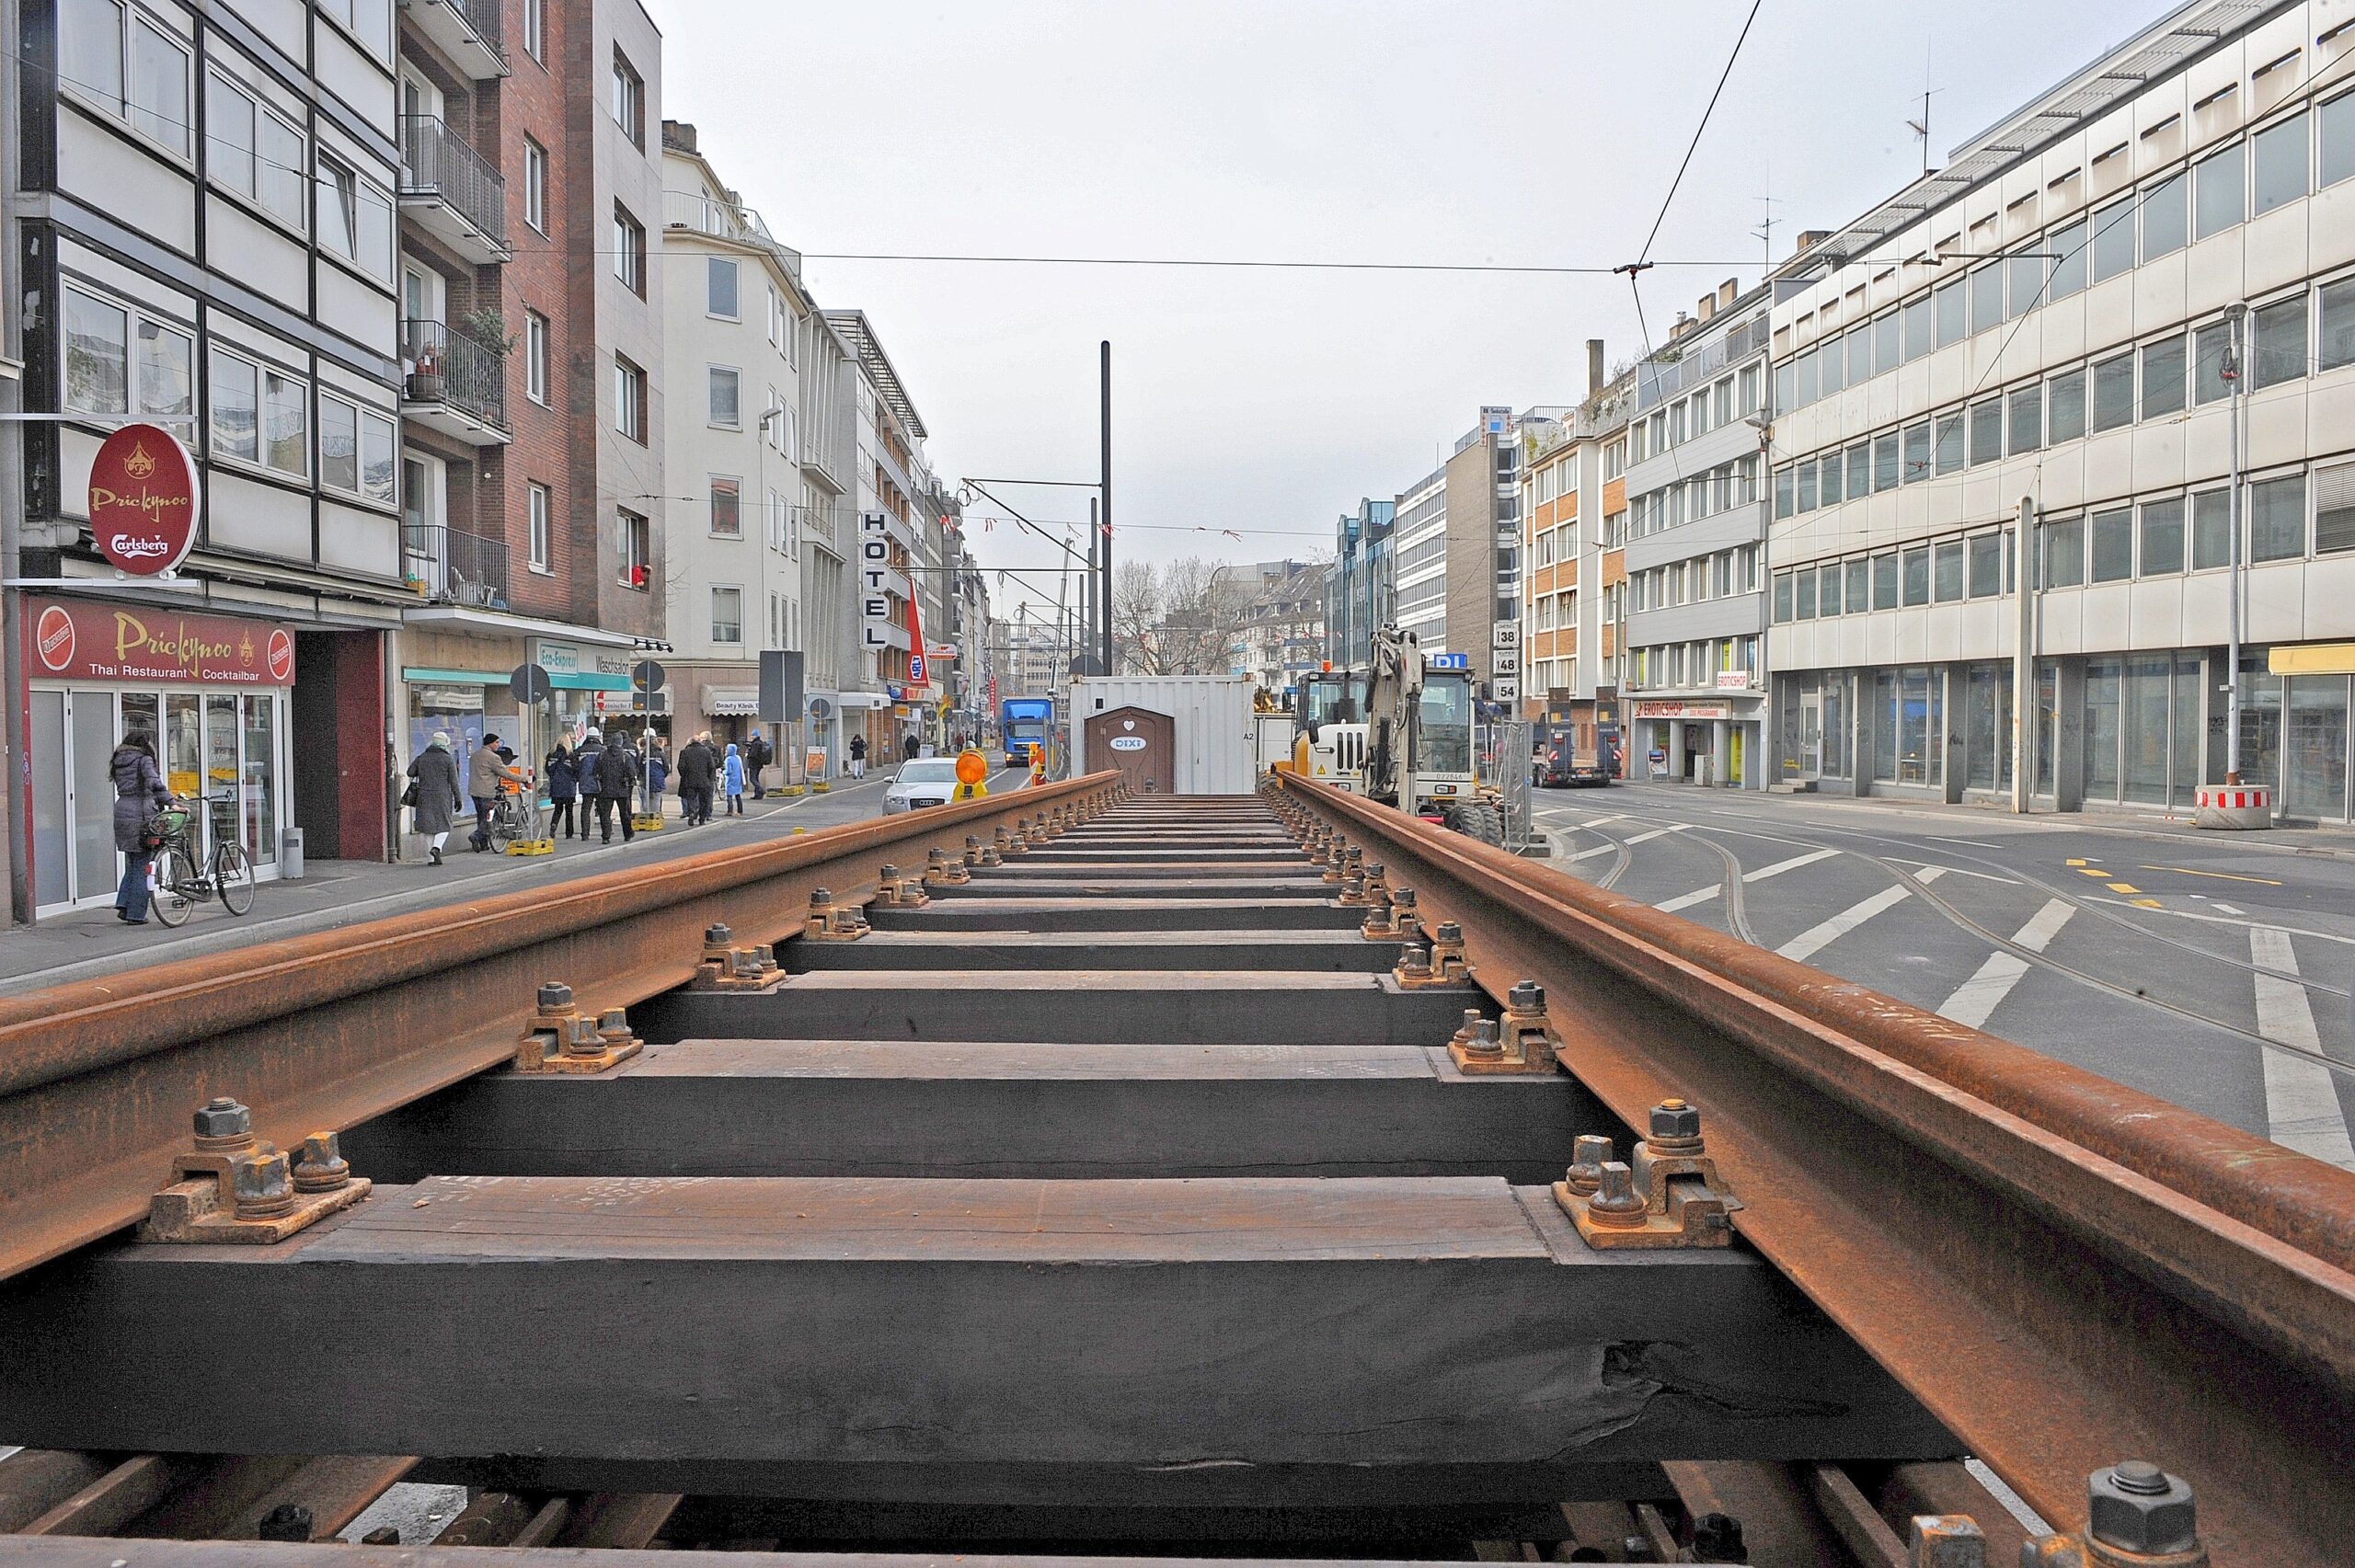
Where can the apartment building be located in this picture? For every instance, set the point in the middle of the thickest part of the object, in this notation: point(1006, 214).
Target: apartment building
point(1281, 634)
point(1573, 477)
point(733, 315)
point(227, 274)
point(891, 477)
point(1695, 531)
point(1456, 555)
point(1361, 589)
point(2051, 318)
point(827, 526)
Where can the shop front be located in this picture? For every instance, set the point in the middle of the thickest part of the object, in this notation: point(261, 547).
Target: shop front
point(1702, 742)
point(590, 689)
point(211, 691)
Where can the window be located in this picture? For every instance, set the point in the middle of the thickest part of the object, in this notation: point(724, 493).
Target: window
point(1885, 352)
point(1885, 582)
point(354, 216)
point(1828, 591)
point(1830, 469)
point(1807, 487)
point(2335, 127)
point(780, 324)
point(2064, 553)
point(101, 47)
point(89, 51)
point(1917, 575)
point(2209, 347)
point(1949, 443)
point(629, 100)
point(338, 444)
point(629, 250)
point(1986, 564)
point(536, 31)
point(2027, 419)
point(2114, 391)
point(2212, 530)
point(2280, 343)
point(97, 355)
point(726, 396)
point(1746, 399)
point(719, 287)
point(536, 185)
point(1952, 312)
point(727, 615)
point(1915, 326)
point(236, 406)
point(369, 21)
point(536, 356)
point(1808, 385)
point(1859, 469)
point(2113, 239)
point(2024, 283)
point(286, 424)
point(2277, 518)
point(2335, 509)
point(1785, 493)
point(2337, 311)
point(1986, 431)
point(629, 399)
point(1987, 297)
point(1860, 592)
point(2064, 407)
point(278, 173)
point(1803, 596)
point(726, 508)
point(1917, 452)
point(2113, 541)
point(1885, 461)
point(252, 151)
point(2163, 378)
point(1676, 424)
point(1946, 573)
point(633, 546)
point(1860, 355)
point(2069, 271)
point(2161, 537)
point(2280, 164)
point(2164, 216)
point(2220, 191)
point(537, 499)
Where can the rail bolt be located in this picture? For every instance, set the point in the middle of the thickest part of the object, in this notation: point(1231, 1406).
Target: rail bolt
point(1526, 996)
point(1587, 1157)
point(222, 1123)
point(972, 849)
point(1716, 1537)
point(1614, 1205)
point(719, 934)
point(1946, 1540)
point(320, 1167)
point(613, 1026)
point(580, 1038)
point(2136, 1506)
point(1675, 1128)
point(1415, 963)
point(557, 997)
point(1483, 1041)
point(262, 1183)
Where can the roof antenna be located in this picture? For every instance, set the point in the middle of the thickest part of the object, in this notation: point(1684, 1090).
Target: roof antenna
point(1921, 127)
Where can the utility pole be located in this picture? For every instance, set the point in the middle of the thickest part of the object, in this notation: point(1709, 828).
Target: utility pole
point(2236, 326)
point(2024, 718)
point(1104, 525)
point(17, 783)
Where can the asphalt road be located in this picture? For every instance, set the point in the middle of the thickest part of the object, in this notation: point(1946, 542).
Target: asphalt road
point(2210, 969)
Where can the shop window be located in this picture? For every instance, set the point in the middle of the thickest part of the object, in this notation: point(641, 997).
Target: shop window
point(2163, 378)
point(2164, 216)
point(2100, 772)
point(2161, 537)
point(2064, 553)
point(2277, 518)
point(2113, 544)
point(2280, 343)
point(2220, 191)
point(2212, 530)
point(2315, 739)
point(2280, 164)
point(2065, 402)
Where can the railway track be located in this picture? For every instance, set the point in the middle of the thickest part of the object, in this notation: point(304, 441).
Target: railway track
point(1064, 1176)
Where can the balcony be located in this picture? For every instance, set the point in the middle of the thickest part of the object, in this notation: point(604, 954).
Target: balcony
point(465, 30)
point(451, 567)
point(453, 383)
point(453, 190)
point(729, 221)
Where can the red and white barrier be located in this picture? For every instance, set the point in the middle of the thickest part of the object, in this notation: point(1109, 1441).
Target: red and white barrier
point(2232, 807)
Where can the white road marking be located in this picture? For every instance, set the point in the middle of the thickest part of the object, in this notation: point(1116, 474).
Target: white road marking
point(1975, 1000)
point(1599, 822)
point(1981, 875)
point(2220, 919)
point(1815, 938)
point(2301, 1107)
point(1930, 873)
point(1686, 900)
point(1780, 866)
point(2226, 908)
point(1660, 832)
point(1589, 854)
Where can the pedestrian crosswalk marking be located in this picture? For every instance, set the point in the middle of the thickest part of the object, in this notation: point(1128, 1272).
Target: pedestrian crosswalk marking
point(1686, 900)
point(1814, 940)
point(1975, 1000)
point(1763, 871)
point(2302, 1108)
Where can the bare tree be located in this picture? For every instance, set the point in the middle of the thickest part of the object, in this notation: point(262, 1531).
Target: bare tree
point(1178, 617)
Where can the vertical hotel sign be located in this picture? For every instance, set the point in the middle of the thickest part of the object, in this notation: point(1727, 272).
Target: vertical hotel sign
point(875, 580)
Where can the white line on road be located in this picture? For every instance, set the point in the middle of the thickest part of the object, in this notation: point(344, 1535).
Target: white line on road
point(1686, 900)
point(1660, 832)
point(1589, 854)
point(1983, 876)
point(1815, 938)
point(2217, 920)
point(1599, 822)
point(2302, 1109)
point(2226, 908)
point(1780, 866)
point(1975, 1000)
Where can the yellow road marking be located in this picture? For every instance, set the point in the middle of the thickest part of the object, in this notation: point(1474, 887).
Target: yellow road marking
point(2124, 888)
point(2092, 871)
point(2149, 904)
point(2219, 875)
point(2076, 862)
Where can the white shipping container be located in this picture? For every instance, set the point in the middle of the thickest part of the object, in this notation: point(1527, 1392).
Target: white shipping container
point(1211, 719)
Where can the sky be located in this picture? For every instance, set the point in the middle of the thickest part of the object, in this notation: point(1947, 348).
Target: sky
point(1269, 402)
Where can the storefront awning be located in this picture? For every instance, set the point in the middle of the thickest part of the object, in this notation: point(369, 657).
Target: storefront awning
point(587, 680)
point(417, 675)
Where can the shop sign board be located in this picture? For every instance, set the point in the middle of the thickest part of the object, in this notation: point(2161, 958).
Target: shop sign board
point(143, 499)
point(1684, 710)
point(1734, 680)
point(79, 640)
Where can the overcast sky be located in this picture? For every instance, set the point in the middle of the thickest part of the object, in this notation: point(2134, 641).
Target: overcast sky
point(1305, 129)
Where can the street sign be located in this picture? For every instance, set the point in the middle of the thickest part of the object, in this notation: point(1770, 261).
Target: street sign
point(648, 676)
point(1450, 661)
point(1504, 661)
point(143, 499)
point(1505, 635)
point(1505, 689)
point(530, 684)
point(780, 686)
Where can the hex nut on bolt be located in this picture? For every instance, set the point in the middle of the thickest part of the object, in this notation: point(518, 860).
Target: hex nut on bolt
point(2136, 1506)
point(1588, 1156)
point(555, 996)
point(1675, 1121)
point(1615, 1204)
point(320, 1167)
point(719, 934)
point(262, 1183)
point(222, 1119)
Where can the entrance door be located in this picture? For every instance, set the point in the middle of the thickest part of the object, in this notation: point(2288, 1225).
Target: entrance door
point(1142, 744)
point(1810, 757)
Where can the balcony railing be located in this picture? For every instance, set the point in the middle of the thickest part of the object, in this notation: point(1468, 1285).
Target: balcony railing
point(436, 162)
point(450, 367)
point(454, 567)
point(727, 220)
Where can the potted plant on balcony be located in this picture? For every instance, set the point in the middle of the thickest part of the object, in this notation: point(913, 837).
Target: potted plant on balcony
point(427, 381)
point(488, 327)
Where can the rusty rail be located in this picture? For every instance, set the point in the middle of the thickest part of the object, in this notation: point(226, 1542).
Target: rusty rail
point(2062, 1269)
point(324, 1031)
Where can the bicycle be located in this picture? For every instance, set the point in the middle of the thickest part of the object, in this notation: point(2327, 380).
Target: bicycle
point(177, 885)
point(511, 820)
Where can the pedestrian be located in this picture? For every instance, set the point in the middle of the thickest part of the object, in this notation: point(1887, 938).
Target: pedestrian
point(731, 780)
point(758, 754)
point(139, 793)
point(584, 764)
point(617, 774)
point(698, 772)
point(434, 794)
point(859, 756)
point(564, 788)
point(658, 774)
point(488, 773)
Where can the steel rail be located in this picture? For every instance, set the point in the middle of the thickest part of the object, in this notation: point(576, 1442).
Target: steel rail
point(2065, 1271)
point(97, 1078)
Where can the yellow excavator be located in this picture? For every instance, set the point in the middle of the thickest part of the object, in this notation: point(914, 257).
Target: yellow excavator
point(1399, 732)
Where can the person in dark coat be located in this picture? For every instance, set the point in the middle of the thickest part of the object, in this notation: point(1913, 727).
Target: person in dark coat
point(698, 770)
point(139, 790)
point(757, 756)
point(617, 774)
point(657, 773)
point(564, 787)
point(859, 756)
point(434, 776)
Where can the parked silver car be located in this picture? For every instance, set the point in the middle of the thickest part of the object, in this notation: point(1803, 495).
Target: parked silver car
point(926, 781)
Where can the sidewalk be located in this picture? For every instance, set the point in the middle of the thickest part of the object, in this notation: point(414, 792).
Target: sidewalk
point(343, 892)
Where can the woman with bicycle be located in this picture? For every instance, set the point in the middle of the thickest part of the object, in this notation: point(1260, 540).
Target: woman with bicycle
point(139, 793)
point(489, 775)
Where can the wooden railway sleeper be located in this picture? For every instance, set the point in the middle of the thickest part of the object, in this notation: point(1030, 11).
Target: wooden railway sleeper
point(1669, 1195)
point(559, 1038)
point(234, 1187)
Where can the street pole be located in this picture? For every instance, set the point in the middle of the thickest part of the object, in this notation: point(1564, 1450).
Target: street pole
point(1091, 595)
point(2236, 321)
point(1104, 526)
point(2022, 660)
point(16, 785)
